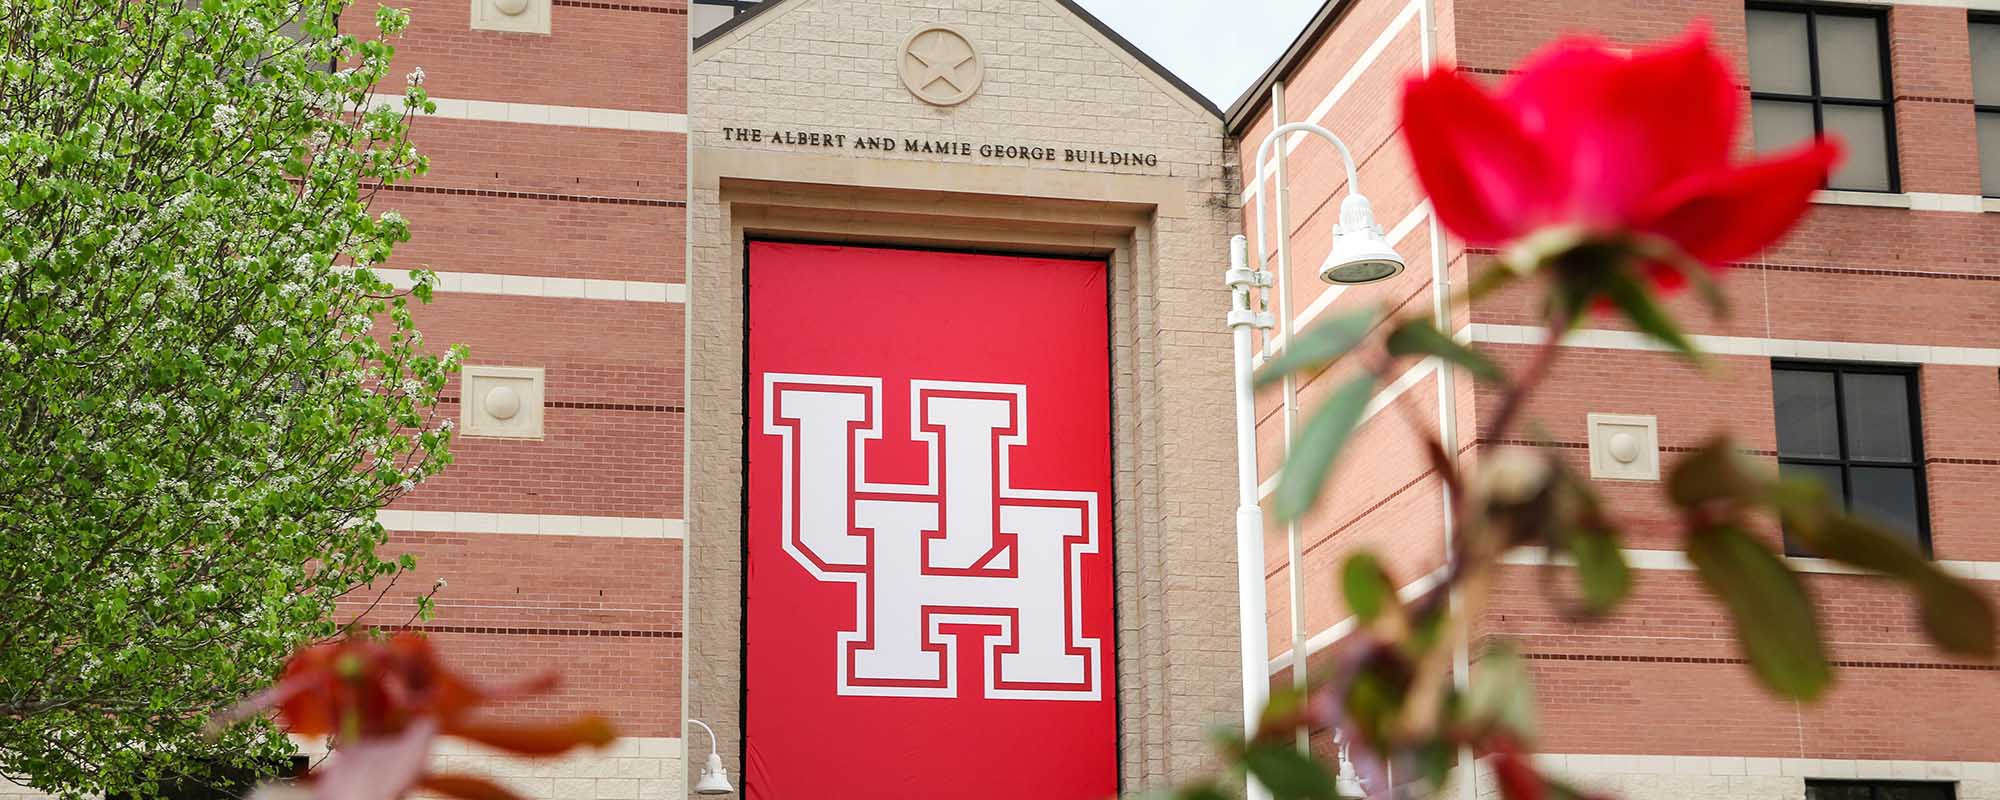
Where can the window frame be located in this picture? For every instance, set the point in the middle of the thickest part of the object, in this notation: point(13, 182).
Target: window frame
point(1913, 396)
point(1875, 787)
point(1982, 18)
point(1819, 101)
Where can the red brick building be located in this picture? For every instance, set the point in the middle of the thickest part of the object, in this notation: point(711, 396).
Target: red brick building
point(601, 169)
point(555, 214)
point(1859, 351)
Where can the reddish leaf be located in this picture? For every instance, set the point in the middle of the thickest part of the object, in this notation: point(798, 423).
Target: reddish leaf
point(469, 787)
point(538, 740)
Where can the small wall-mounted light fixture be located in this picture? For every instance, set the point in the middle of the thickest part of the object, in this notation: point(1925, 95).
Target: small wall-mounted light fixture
point(1361, 254)
point(714, 777)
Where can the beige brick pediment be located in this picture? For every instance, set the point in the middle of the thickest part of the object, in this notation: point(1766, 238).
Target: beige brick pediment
point(855, 74)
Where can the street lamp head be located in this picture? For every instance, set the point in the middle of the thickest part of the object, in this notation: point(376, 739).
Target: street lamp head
point(714, 778)
point(1361, 254)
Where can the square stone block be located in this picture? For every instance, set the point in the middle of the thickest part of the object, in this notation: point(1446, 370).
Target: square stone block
point(1624, 447)
point(501, 401)
point(511, 16)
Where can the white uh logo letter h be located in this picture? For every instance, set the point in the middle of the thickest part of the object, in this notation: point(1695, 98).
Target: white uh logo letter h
point(965, 547)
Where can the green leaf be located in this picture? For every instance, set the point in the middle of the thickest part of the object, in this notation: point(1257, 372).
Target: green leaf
point(1288, 772)
point(1636, 300)
point(1955, 614)
point(1281, 711)
point(1601, 569)
point(1501, 693)
point(1206, 790)
point(1703, 280)
point(1774, 616)
point(1367, 587)
point(1319, 345)
point(1716, 471)
point(1419, 337)
point(1493, 278)
point(1319, 444)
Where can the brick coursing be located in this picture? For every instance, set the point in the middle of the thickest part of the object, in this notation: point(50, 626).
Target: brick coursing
point(1663, 677)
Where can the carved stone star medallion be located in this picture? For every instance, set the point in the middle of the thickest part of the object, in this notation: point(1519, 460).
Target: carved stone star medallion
point(939, 65)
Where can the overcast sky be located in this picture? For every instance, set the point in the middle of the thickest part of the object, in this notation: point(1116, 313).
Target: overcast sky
point(1217, 46)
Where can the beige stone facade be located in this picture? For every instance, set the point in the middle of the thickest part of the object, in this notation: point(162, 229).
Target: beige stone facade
point(1050, 79)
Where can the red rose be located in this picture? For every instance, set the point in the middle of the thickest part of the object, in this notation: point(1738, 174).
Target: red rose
point(1588, 145)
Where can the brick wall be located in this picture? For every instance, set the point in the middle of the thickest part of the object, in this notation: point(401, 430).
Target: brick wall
point(1663, 680)
point(569, 202)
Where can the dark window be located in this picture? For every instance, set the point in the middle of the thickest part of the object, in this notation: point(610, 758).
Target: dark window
point(1819, 71)
point(707, 15)
point(1879, 790)
point(1854, 429)
point(1986, 100)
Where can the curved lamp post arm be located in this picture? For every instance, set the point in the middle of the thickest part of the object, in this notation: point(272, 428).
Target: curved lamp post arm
point(1263, 156)
point(711, 733)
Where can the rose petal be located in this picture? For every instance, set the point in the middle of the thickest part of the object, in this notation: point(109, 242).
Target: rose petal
point(1517, 779)
point(1488, 181)
point(537, 740)
point(470, 787)
point(1626, 127)
point(1734, 213)
point(303, 718)
point(379, 768)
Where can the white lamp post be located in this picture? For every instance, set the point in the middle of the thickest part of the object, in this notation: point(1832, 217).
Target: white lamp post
point(1360, 254)
point(714, 778)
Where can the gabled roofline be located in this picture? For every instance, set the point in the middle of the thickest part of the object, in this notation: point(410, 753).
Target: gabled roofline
point(1068, 5)
point(1140, 56)
point(1243, 113)
point(734, 22)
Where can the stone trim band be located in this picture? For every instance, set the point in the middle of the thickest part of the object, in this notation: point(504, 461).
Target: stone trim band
point(531, 524)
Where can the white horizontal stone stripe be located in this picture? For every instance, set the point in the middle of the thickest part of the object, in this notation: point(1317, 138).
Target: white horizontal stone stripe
point(537, 114)
point(1403, 383)
point(1595, 765)
point(1333, 633)
point(1638, 559)
point(1916, 201)
point(540, 286)
point(1677, 560)
point(1748, 346)
point(531, 524)
point(648, 767)
point(1346, 82)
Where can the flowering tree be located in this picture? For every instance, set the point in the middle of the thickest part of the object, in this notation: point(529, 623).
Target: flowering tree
point(1607, 181)
point(200, 422)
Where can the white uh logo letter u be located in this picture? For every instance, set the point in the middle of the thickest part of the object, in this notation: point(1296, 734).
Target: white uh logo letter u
point(965, 547)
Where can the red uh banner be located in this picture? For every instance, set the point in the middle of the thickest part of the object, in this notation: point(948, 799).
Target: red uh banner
point(929, 563)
